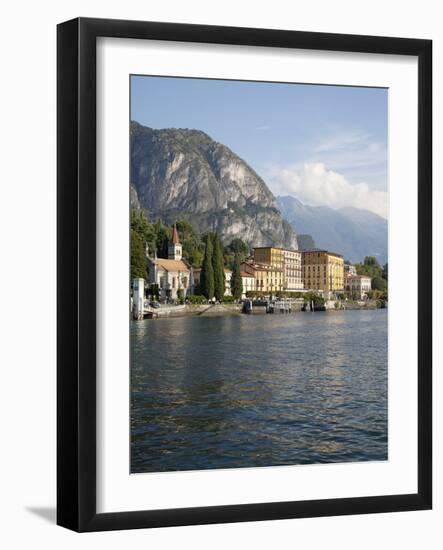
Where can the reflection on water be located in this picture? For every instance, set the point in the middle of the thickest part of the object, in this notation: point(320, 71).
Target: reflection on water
point(258, 390)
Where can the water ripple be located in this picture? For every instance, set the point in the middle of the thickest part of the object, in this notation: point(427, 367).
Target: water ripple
point(262, 390)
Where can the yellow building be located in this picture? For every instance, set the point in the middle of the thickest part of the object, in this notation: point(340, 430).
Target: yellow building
point(269, 255)
point(323, 270)
point(268, 279)
point(290, 261)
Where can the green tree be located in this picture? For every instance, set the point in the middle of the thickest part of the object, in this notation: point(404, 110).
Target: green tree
point(192, 246)
point(138, 256)
point(185, 230)
point(314, 297)
point(181, 295)
point(371, 261)
point(207, 272)
point(369, 267)
point(218, 267)
point(145, 229)
point(236, 247)
point(195, 256)
point(379, 276)
point(236, 280)
point(378, 283)
point(163, 235)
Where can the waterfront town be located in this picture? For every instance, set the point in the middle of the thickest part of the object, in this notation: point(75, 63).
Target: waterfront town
point(268, 272)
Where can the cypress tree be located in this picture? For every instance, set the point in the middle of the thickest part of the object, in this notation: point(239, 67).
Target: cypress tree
point(162, 237)
point(236, 280)
point(207, 272)
point(218, 267)
point(138, 256)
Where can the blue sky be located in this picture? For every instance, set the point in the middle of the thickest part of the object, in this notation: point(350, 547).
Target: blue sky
point(327, 145)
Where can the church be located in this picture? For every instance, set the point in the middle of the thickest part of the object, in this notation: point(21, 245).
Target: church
point(173, 274)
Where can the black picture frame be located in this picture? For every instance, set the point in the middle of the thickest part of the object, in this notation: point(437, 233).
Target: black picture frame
point(76, 280)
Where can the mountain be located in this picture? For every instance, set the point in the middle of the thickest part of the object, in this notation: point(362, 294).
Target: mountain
point(352, 232)
point(184, 174)
point(305, 242)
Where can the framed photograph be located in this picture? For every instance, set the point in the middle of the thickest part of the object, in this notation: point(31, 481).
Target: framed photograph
point(244, 274)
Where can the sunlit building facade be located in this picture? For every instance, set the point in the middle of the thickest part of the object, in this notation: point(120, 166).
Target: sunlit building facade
point(357, 286)
point(323, 270)
point(290, 261)
point(268, 279)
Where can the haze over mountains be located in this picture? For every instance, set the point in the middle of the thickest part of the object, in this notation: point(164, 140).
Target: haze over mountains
point(184, 174)
point(352, 232)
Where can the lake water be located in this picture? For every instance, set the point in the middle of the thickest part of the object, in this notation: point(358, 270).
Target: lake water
point(258, 390)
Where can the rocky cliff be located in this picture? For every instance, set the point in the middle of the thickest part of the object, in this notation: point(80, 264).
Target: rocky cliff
point(181, 173)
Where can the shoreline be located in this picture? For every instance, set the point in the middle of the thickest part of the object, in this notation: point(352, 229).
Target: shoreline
point(218, 310)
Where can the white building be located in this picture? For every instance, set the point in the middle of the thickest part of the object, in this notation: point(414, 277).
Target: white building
point(228, 277)
point(173, 274)
point(357, 285)
point(292, 261)
point(248, 283)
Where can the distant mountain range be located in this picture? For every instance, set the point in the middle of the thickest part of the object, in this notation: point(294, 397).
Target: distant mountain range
point(352, 232)
point(184, 174)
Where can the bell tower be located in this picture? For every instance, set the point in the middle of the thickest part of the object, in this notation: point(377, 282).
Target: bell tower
point(174, 247)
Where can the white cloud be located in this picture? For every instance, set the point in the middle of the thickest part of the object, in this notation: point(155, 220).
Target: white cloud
point(315, 185)
point(263, 128)
point(353, 153)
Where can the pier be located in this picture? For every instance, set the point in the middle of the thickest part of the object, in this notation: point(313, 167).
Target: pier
point(267, 306)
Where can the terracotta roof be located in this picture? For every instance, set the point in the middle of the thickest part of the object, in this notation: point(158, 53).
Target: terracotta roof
point(171, 265)
point(262, 267)
point(277, 248)
point(244, 274)
point(322, 250)
point(175, 239)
